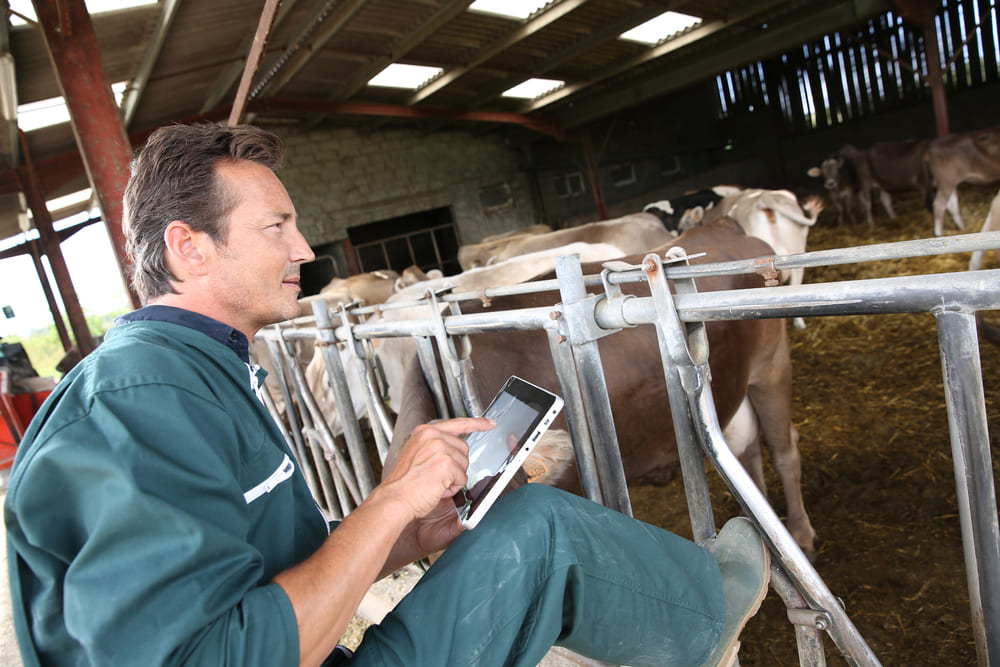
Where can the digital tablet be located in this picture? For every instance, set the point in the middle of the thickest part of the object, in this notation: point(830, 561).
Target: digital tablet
point(522, 412)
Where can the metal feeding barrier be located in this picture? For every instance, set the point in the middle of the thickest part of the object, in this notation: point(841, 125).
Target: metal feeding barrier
point(340, 478)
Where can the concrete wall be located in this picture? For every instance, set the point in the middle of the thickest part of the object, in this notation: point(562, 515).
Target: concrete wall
point(343, 177)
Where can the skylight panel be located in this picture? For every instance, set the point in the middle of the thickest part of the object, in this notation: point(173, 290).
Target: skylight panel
point(25, 8)
point(45, 113)
point(657, 29)
point(533, 88)
point(515, 9)
point(404, 76)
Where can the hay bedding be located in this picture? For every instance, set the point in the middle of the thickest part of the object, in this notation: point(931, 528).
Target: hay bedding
point(876, 457)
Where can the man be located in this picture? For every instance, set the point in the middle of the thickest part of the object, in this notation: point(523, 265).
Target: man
point(156, 516)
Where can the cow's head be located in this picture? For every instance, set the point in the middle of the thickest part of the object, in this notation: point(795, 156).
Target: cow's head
point(665, 212)
point(831, 171)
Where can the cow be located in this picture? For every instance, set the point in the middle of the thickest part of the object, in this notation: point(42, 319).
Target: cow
point(886, 167)
point(526, 231)
point(970, 157)
point(749, 360)
point(636, 232)
point(394, 353)
point(371, 287)
point(986, 330)
point(687, 210)
point(776, 217)
point(473, 255)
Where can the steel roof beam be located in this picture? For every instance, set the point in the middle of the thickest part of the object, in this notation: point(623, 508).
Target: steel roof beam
point(264, 27)
point(232, 75)
point(777, 38)
point(547, 17)
point(542, 125)
point(298, 54)
point(685, 39)
point(610, 32)
point(137, 86)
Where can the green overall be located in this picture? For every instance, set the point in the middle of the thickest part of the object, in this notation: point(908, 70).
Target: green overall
point(546, 567)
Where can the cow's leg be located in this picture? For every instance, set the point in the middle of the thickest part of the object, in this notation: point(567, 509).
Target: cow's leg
point(771, 397)
point(953, 208)
point(946, 200)
point(795, 277)
point(866, 205)
point(842, 202)
point(886, 200)
point(742, 435)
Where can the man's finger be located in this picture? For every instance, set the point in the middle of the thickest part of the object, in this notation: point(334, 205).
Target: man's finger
point(463, 425)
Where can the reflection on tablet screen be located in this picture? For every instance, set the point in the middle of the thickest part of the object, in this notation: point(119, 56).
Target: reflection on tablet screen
point(490, 451)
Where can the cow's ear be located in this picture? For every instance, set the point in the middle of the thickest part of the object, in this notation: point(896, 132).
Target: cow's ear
point(815, 172)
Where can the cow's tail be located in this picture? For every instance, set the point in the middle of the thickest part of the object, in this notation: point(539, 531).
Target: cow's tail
point(930, 185)
point(987, 330)
point(812, 207)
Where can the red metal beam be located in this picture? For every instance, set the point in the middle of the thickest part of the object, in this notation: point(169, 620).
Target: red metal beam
point(541, 125)
point(50, 243)
point(97, 124)
point(263, 33)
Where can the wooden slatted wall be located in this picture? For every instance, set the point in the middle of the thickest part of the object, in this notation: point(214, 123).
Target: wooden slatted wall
point(877, 67)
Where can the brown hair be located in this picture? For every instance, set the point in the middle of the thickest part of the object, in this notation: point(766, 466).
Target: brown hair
point(174, 178)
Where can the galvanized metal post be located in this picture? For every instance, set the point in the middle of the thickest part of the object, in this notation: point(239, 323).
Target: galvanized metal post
point(683, 373)
point(970, 446)
point(326, 486)
point(594, 389)
point(338, 384)
point(576, 416)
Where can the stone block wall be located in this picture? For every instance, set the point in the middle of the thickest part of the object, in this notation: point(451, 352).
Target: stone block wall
point(343, 177)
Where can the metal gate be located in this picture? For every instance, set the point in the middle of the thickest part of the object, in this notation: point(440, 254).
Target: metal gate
point(340, 478)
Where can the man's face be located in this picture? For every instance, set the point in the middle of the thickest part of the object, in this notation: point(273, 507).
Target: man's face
point(256, 273)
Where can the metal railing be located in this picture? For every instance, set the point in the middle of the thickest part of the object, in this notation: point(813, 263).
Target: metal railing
point(580, 317)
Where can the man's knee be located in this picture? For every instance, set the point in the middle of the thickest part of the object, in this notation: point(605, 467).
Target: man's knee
point(534, 499)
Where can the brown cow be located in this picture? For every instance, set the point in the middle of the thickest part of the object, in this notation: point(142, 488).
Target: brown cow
point(372, 287)
point(749, 359)
point(474, 255)
point(887, 166)
point(636, 232)
point(971, 157)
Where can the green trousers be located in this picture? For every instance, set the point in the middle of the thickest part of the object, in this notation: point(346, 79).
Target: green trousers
point(547, 568)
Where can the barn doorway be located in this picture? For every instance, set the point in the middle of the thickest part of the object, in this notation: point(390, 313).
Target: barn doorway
point(428, 239)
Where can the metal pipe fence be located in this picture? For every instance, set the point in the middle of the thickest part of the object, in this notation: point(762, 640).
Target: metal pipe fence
point(341, 476)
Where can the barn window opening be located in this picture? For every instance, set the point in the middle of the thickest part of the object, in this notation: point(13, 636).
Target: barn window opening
point(623, 174)
point(496, 197)
point(670, 164)
point(428, 239)
point(569, 185)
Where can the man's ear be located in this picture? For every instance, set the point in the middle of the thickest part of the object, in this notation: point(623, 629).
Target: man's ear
point(187, 250)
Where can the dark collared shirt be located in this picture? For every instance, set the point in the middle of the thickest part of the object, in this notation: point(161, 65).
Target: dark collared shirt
point(223, 333)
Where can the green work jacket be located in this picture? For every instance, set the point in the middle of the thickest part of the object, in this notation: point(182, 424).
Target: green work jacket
point(150, 504)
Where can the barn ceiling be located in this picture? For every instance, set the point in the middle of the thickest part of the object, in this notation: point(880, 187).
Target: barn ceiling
point(183, 59)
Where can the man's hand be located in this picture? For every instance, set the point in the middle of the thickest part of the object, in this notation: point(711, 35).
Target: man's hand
point(431, 466)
